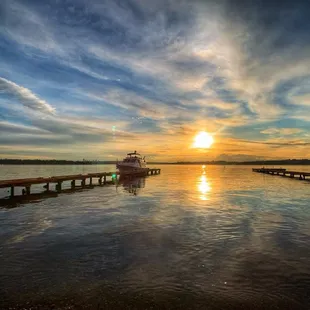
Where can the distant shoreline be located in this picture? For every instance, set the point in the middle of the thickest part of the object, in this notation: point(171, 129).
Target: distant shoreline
point(287, 162)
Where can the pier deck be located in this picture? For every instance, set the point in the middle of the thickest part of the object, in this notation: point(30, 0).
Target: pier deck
point(102, 178)
point(283, 172)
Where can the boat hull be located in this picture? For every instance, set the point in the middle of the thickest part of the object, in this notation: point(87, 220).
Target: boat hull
point(129, 170)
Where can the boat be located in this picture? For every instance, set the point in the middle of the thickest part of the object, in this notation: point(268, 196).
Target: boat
point(133, 163)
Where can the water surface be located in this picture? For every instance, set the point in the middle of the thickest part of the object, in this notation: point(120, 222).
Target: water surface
point(193, 237)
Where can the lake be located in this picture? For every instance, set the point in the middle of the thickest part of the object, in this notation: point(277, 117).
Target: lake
point(193, 237)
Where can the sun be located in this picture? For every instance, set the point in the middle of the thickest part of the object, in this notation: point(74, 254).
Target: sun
point(203, 140)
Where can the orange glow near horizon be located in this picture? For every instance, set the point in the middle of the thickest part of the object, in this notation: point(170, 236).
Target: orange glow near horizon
point(203, 140)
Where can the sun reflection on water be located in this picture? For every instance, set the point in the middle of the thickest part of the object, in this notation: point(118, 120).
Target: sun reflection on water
point(204, 186)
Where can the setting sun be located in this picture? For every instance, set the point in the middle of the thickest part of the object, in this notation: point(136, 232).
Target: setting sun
point(203, 140)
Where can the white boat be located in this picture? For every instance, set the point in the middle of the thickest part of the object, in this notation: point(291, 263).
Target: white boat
point(133, 163)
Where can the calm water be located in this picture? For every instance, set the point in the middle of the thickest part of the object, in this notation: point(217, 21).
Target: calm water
point(191, 238)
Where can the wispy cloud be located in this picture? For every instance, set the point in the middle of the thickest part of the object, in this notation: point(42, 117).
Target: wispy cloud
point(301, 100)
point(281, 131)
point(276, 143)
point(7, 128)
point(25, 96)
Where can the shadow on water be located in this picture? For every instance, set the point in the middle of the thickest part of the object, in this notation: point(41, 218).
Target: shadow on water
point(132, 184)
point(18, 200)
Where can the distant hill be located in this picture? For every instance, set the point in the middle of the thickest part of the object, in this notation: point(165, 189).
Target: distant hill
point(42, 162)
point(257, 162)
point(99, 162)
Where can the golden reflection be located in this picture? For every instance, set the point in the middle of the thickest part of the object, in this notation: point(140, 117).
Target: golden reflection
point(204, 186)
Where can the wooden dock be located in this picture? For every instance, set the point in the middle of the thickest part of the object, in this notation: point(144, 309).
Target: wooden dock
point(85, 180)
point(284, 173)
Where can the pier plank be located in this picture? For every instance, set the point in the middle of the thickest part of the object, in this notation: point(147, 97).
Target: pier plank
point(301, 175)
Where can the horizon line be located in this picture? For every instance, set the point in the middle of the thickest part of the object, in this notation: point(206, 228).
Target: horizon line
point(83, 161)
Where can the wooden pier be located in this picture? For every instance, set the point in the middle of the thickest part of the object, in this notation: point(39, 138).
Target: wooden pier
point(85, 180)
point(284, 173)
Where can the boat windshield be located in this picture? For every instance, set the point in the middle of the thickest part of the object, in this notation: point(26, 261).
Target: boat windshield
point(134, 155)
point(131, 159)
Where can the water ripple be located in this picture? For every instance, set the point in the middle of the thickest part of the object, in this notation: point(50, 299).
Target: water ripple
point(190, 238)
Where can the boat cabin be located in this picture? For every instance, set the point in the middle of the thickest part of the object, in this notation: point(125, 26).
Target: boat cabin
point(133, 158)
point(132, 161)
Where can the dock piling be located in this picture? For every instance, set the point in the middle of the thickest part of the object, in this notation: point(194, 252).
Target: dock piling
point(58, 186)
point(12, 191)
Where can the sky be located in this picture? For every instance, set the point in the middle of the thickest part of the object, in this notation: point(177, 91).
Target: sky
point(96, 79)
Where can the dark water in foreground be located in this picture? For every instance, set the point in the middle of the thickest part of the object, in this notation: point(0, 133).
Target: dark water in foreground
point(190, 238)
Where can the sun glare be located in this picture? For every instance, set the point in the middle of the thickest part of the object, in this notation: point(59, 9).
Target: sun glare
point(203, 140)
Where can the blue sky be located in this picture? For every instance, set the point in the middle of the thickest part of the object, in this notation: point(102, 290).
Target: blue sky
point(159, 72)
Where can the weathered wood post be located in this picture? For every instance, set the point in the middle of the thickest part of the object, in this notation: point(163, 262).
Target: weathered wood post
point(105, 179)
point(58, 186)
point(28, 190)
point(83, 183)
point(12, 191)
point(73, 184)
point(90, 181)
point(100, 181)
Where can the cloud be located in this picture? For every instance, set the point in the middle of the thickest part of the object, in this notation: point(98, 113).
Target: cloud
point(67, 132)
point(301, 100)
point(160, 69)
point(34, 139)
point(278, 143)
point(7, 127)
point(255, 64)
point(28, 28)
point(281, 131)
point(238, 157)
point(130, 101)
point(80, 130)
point(25, 96)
